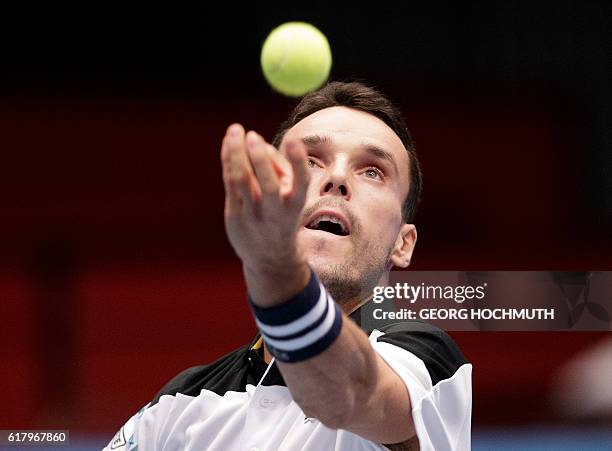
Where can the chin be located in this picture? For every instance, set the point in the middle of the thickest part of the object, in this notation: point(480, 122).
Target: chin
point(322, 250)
point(322, 262)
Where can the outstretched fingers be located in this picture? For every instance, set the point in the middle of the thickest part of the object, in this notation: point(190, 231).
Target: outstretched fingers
point(259, 180)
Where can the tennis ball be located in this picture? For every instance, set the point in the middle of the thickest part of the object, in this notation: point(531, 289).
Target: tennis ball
point(296, 58)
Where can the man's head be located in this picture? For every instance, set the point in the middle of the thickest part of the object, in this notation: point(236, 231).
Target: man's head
point(365, 186)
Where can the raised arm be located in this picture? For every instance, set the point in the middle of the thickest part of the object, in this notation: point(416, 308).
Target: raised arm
point(330, 367)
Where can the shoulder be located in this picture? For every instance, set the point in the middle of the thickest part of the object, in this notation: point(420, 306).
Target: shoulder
point(434, 347)
point(438, 378)
point(227, 373)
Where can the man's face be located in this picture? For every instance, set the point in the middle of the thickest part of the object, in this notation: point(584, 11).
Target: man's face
point(352, 229)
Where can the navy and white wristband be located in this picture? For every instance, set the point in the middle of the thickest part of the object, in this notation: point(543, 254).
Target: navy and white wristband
point(302, 327)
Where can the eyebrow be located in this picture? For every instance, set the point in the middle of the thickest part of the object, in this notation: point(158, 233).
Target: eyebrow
point(316, 140)
point(382, 154)
point(373, 150)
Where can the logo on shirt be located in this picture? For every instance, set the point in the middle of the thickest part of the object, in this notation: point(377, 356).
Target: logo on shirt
point(309, 420)
point(118, 440)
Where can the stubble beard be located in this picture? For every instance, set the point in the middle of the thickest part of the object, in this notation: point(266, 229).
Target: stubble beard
point(351, 281)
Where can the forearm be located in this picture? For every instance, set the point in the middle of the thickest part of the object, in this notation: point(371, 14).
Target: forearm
point(333, 385)
point(348, 386)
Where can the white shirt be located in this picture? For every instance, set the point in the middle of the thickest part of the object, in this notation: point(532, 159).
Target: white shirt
point(221, 406)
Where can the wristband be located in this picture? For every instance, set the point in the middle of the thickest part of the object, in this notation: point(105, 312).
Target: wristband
point(301, 327)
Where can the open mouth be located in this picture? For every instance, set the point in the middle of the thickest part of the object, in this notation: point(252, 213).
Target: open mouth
point(328, 223)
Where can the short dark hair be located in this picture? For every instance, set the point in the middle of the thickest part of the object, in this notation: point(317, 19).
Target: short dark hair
point(361, 97)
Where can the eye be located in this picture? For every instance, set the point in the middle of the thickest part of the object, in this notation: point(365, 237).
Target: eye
point(373, 173)
point(312, 162)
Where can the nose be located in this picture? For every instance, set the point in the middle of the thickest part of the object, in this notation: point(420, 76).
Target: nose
point(336, 183)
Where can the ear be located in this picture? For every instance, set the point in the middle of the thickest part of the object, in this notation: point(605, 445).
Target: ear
point(404, 245)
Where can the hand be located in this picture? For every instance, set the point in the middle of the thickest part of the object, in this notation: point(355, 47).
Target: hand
point(265, 192)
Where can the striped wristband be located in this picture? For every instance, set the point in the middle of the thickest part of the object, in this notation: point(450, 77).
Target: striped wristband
point(302, 327)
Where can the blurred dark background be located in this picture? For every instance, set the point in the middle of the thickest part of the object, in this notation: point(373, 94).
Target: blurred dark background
point(115, 273)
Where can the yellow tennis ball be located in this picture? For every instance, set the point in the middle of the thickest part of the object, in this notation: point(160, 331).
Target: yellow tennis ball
point(296, 58)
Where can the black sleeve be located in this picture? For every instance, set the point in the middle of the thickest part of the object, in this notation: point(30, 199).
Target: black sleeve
point(179, 383)
point(225, 374)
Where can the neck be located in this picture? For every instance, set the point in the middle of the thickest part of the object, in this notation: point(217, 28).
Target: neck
point(350, 305)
